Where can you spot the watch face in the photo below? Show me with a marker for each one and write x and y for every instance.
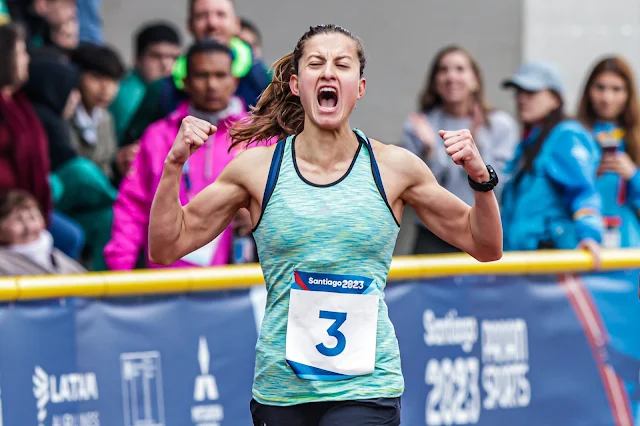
(493, 176)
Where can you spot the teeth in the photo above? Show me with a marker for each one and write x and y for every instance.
(327, 89)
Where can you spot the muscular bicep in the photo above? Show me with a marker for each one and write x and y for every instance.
(443, 213)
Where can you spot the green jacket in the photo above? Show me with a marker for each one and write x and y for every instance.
(124, 107)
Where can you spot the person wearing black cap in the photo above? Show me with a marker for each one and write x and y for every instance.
(157, 46)
(550, 199)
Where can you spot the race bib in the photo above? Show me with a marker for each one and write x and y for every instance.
(204, 255)
(332, 326)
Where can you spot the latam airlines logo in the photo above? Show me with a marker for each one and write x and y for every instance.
(72, 387)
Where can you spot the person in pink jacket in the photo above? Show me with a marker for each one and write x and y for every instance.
(210, 85)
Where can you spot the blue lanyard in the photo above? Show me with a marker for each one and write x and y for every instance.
(187, 180)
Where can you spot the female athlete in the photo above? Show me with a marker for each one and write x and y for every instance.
(325, 203)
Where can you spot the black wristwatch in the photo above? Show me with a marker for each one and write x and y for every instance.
(485, 186)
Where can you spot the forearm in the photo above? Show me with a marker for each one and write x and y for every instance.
(167, 217)
(485, 227)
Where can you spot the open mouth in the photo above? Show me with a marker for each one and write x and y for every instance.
(327, 98)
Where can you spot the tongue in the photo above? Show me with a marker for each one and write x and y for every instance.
(327, 102)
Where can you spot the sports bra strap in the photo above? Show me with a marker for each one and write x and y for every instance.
(374, 164)
(274, 170)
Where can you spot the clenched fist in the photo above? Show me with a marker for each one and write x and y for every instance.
(463, 151)
(193, 133)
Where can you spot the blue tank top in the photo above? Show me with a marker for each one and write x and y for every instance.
(325, 235)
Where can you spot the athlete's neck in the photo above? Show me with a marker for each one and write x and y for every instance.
(325, 148)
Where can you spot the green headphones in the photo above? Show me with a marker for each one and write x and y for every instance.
(242, 62)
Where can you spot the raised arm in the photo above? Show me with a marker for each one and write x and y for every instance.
(175, 231)
(476, 230)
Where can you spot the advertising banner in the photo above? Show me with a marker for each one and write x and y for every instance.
(484, 350)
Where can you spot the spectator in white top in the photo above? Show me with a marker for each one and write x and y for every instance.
(454, 98)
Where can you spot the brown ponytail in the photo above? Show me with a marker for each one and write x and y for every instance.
(279, 113)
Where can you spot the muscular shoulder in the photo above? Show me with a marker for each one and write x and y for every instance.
(395, 158)
(251, 165)
(399, 167)
(254, 157)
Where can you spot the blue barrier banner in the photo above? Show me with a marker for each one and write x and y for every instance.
(485, 350)
(518, 350)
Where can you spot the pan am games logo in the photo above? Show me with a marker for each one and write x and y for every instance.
(73, 387)
(205, 391)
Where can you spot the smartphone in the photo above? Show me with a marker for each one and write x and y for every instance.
(609, 145)
(609, 141)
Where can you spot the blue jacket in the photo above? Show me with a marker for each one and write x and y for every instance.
(620, 199)
(556, 203)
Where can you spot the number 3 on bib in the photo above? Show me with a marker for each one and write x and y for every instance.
(340, 318)
(332, 326)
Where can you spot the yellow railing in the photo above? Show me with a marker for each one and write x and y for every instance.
(141, 282)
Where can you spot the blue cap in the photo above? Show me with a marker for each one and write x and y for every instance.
(537, 76)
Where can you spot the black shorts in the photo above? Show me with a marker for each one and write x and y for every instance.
(366, 412)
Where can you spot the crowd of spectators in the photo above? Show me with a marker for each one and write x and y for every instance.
(83, 139)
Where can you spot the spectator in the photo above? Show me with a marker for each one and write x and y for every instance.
(207, 19)
(217, 19)
(66, 35)
(25, 164)
(454, 98)
(85, 193)
(26, 247)
(609, 108)
(39, 16)
(550, 199)
(53, 91)
(210, 84)
(157, 46)
(24, 157)
(92, 127)
(250, 34)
